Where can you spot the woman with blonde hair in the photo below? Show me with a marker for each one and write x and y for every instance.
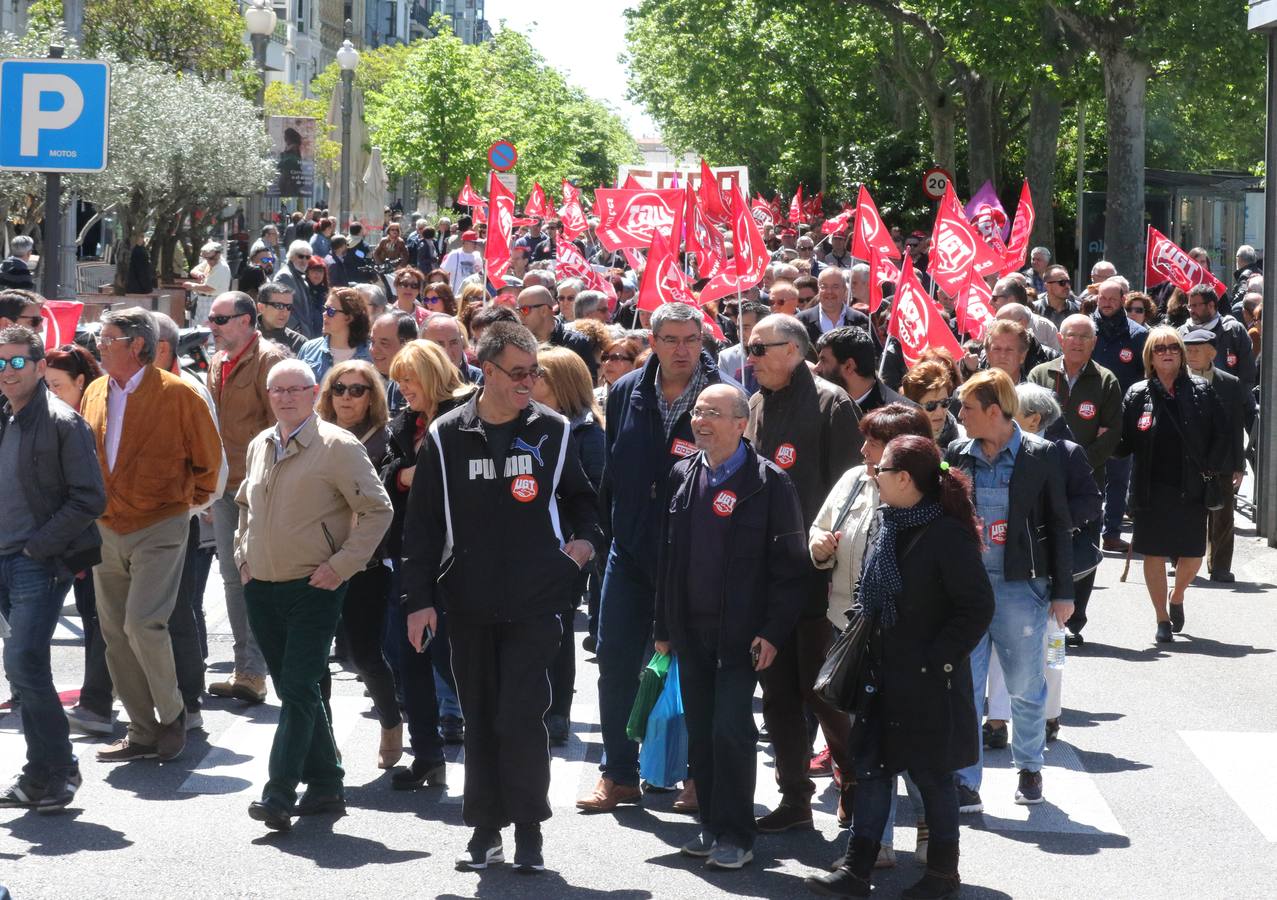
(353, 397)
(431, 386)
(565, 387)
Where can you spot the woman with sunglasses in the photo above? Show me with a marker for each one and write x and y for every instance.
(439, 298)
(1140, 309)
(353, 397)
(431, 386)
(345, 333)
(619, 357)
(930, 385)
(408, 283)
(930, 599)
(1175, 428)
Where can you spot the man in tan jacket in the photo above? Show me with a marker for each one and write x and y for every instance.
(237, 380)
(312, 511)
(161, 456)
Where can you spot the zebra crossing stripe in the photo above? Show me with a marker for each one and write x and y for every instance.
(1242, 764)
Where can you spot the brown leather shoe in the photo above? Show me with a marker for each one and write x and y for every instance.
(391, 748)
(786, 818)
(223, 688)
(1115, 545)
(249, 688)
(608, 795)
(687, 802)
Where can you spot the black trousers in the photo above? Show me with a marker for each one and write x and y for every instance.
(504, 689)
(722, 751)
(563, 670)
(363, 617)
(183, 624)
(1083, 587)
(1219, 537)
(95, 691)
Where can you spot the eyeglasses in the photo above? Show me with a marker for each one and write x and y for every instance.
(617, 357)
(409, 285)
(1057, 281)
(330, 311)
(524, 310)
(707, 414)
(355, 390)
(669, 340)
(107, 341)
(933, 405)
(18, 363)
(759, 349)
(882, 469)
(567, 298)
(273, 304)
(222, 320)
(1138, 310)
(290, 391)
(1166, 348)
(534, 373)
(36, 320)
(432, 298)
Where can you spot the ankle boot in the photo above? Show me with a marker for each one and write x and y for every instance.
(851, 879)
(391, 748)
(941, 880)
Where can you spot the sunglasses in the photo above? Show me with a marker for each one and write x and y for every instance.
(275, 305)
(933, 405)
(355, 390)
(759, 349)
(617, 357)
(17, 363)
(882, 469)
(534, 373)
(524, 310)
(222, 320)
(432, 298)
(330, 311)
(1060, 281)
(413, 285)
(1135, 309)
(36, 321)
(1166, 348)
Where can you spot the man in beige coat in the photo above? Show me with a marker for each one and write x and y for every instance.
(312, 511)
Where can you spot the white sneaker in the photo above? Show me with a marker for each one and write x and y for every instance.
(194, 720)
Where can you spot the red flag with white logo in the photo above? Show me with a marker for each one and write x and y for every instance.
(796, 207)
(629, 218)
(663, 278)
(536, 207)
(496, 249)
(569, 263)
(778, 209)
(571, 215)
(974, 307)
(703, 239)
(712, 201)
(870, 231)
(956, 245)
(917, 322)
(60, 319)
(881, 271)
(814, 207)
(468, 196)
(840, 222)
(1167, 262)
(1021, 228)
(762, 212)
(749, 254)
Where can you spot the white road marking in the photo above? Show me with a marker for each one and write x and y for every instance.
(1241, 763)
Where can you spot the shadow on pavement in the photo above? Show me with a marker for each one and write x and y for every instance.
(1187, 643)
(1100, 763)
(1080, 718)
(504, 882)
(1081, 840)
(312, 838)
(63, 834)
(1125, 654)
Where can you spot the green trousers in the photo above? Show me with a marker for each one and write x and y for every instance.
(294, 625)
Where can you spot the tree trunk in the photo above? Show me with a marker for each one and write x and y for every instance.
(1045, 107)
(943, 117)
(1125, 90)
(982, 158)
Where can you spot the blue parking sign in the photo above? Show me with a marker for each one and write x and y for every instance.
(54, 114)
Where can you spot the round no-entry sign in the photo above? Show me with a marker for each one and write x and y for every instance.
(934, 182)
(502, 156)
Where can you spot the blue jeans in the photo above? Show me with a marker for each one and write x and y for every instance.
(1018, 630)
(31, 599)
(625, 635)
(874, 804)
(1117, 472)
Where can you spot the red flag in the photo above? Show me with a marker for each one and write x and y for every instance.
(569, 263)
(713, 203)
(749, 254)
(663, 280)
(60, 319)
(571, 192)
(796, 207)
(778, 209)
(917, 322)
(974, 307)
(703, 239)
(870, 232)
(956, 245)
(1167, 262)
(815, 206)
(762, 212)
(468, 197)
(628, 218)
(881, 271)
(633, 258)
(838, 223)
(631, 183)
(536, 207)
(1021, 228)
(496, 250)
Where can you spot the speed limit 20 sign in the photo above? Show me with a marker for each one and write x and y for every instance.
(934, 183)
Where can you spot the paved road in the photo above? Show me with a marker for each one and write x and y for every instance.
(1161, 784)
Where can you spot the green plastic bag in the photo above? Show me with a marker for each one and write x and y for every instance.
(651, 682)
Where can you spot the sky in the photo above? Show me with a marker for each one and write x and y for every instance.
(582, 40)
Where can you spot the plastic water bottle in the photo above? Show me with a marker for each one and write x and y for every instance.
(1055, 646)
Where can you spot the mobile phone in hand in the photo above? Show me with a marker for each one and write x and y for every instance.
(426, 639)
(754, 653)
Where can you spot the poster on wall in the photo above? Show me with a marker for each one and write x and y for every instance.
(293, 145)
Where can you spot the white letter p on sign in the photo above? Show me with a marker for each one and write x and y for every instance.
(35, 120)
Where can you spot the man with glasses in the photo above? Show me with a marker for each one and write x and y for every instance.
(1119, 347)
(808, 427)
(806, 248)
(728, 624)
(274, 309)
(537, 310)
(1091, 398)
(500, 522)
(648, 430)
(303, 319)
(1059, 302)
(47, 535)
(1233, 350)
(154, 476)
(832, 310)
(237, 380)
(21, 307)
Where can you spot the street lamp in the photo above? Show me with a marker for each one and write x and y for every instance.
(259, 19)
(348, 59)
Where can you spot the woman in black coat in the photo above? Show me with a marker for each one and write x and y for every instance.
(924, 581)
(1177, 430)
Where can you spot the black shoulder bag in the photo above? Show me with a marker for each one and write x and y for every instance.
(1214, 494)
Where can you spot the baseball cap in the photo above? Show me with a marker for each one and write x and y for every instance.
(470, 236)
